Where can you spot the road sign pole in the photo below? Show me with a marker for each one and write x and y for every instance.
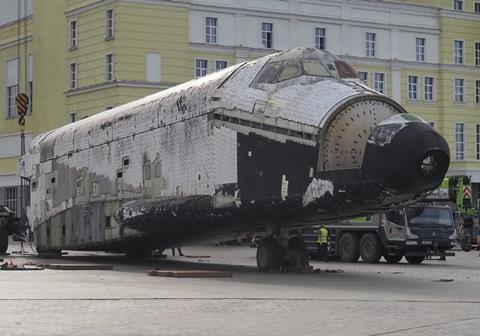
(22, 108)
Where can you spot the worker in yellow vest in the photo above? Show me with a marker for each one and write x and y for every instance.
(322, 242)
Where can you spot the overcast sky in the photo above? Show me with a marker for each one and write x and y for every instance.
(9, 10)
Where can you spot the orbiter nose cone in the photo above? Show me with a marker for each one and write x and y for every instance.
(410, 155)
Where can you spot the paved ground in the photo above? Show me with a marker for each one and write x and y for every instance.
(381, 299)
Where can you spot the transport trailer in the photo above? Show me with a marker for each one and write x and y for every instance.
(415, 232)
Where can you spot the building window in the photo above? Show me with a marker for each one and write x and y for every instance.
(153, 67)
(201, 68)
(11, 198)
(72, 117)
(478, 141)
(370, 45)
(429, 84)
(379, 82)
(458, 5)
(211, 30)
(412, 87)
(320, 38)
(73, 34)
(459, 141)
(459, 89)
(30, 82)
(12, 92)
(267, 35)
(458, 52)
(220, 65)
(11, 86)
(110, 18)
(110, 67)
(363, 75)
(476, 7)
(477, 53)
(73, 75)
(477, 91)
(30, 97)
(420, 49)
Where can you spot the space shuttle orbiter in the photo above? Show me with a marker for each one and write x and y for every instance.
(278, 143)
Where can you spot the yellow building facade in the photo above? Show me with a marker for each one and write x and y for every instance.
(85, 56)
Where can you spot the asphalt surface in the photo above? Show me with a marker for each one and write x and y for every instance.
(434, 298)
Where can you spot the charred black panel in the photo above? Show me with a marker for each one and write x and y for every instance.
(167, 220)
(263, 162)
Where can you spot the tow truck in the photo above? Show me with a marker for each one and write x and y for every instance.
(416, 232)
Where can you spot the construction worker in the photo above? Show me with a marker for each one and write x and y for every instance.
(322, 242)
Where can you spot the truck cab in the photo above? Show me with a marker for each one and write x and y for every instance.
(418, 231)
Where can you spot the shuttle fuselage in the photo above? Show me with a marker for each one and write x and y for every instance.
(283, 141)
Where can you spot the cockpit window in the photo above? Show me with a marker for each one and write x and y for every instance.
(289, 70)
(269, 73)
(345, 70)
(313, 67)
(311, 63)
(275, 72)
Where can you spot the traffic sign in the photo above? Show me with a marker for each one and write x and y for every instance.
(467, 192)
(22, 103)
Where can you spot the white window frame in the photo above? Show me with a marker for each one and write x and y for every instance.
(475, 3)
(462, 50)
(463, 93)
(420, 49)
(220, 60)
(109, 24)
(211, 30)
(384, 82)
(320, 36)
(366, 77)
(12, 87)
(459, 155)
(476, 52)
(461, 2)
(72, 76)
(434, 80)
(73, 34)
(477, 91)
(10, 100)
(195, 68)
(477, 138)
(412, 88)
(267, 35)
(370, 45)
(110, 67)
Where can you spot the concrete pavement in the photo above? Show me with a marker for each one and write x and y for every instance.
(364, 299)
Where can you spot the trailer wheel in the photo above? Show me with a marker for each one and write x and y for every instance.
(415, 260)
(3, 241)
(348, 247)
(370, 248)
(393, 258)
(268, 255)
